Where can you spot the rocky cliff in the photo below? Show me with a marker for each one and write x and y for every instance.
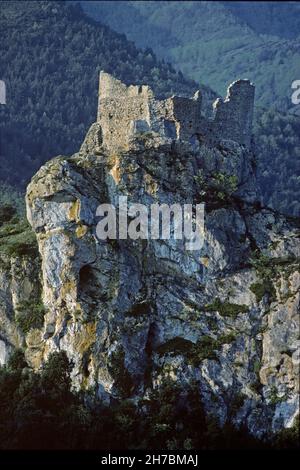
(133, 313)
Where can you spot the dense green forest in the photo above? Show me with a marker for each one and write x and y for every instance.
(216, 42)
(263, 17)
(39, 410)
(277, 141)
(51, 55)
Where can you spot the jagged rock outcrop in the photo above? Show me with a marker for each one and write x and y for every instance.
(131, 313)
(20, 291)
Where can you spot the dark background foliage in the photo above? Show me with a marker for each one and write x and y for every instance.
(51, 55)
(40, 411)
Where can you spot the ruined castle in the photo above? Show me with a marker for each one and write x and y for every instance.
(126, 112)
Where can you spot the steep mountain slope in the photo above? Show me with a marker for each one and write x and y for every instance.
(214, 42)
(51, 55)
(277, 141)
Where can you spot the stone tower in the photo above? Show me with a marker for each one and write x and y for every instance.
(234, 115)
(125, 112)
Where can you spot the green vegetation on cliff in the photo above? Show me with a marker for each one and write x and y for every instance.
(16, 236)
(30, 314)
(38, 410)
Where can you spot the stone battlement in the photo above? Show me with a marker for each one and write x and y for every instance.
(127, 111)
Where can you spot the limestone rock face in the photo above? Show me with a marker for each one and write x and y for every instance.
(19, 282)
(131, 313)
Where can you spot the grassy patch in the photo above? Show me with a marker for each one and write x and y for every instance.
(30, 314)
(216, 189)
(226, 309)
(194, 353)
(268, 270)
(257, 367)
(17, 239)
(258, 290)
(228, 338)
(274, 398)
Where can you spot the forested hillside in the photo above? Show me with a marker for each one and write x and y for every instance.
(215, 42)
(51, 55)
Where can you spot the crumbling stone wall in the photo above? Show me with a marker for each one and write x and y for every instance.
(127, 111)
(119, 107)
(234, 115)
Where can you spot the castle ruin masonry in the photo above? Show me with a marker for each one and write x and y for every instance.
(124, 112)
